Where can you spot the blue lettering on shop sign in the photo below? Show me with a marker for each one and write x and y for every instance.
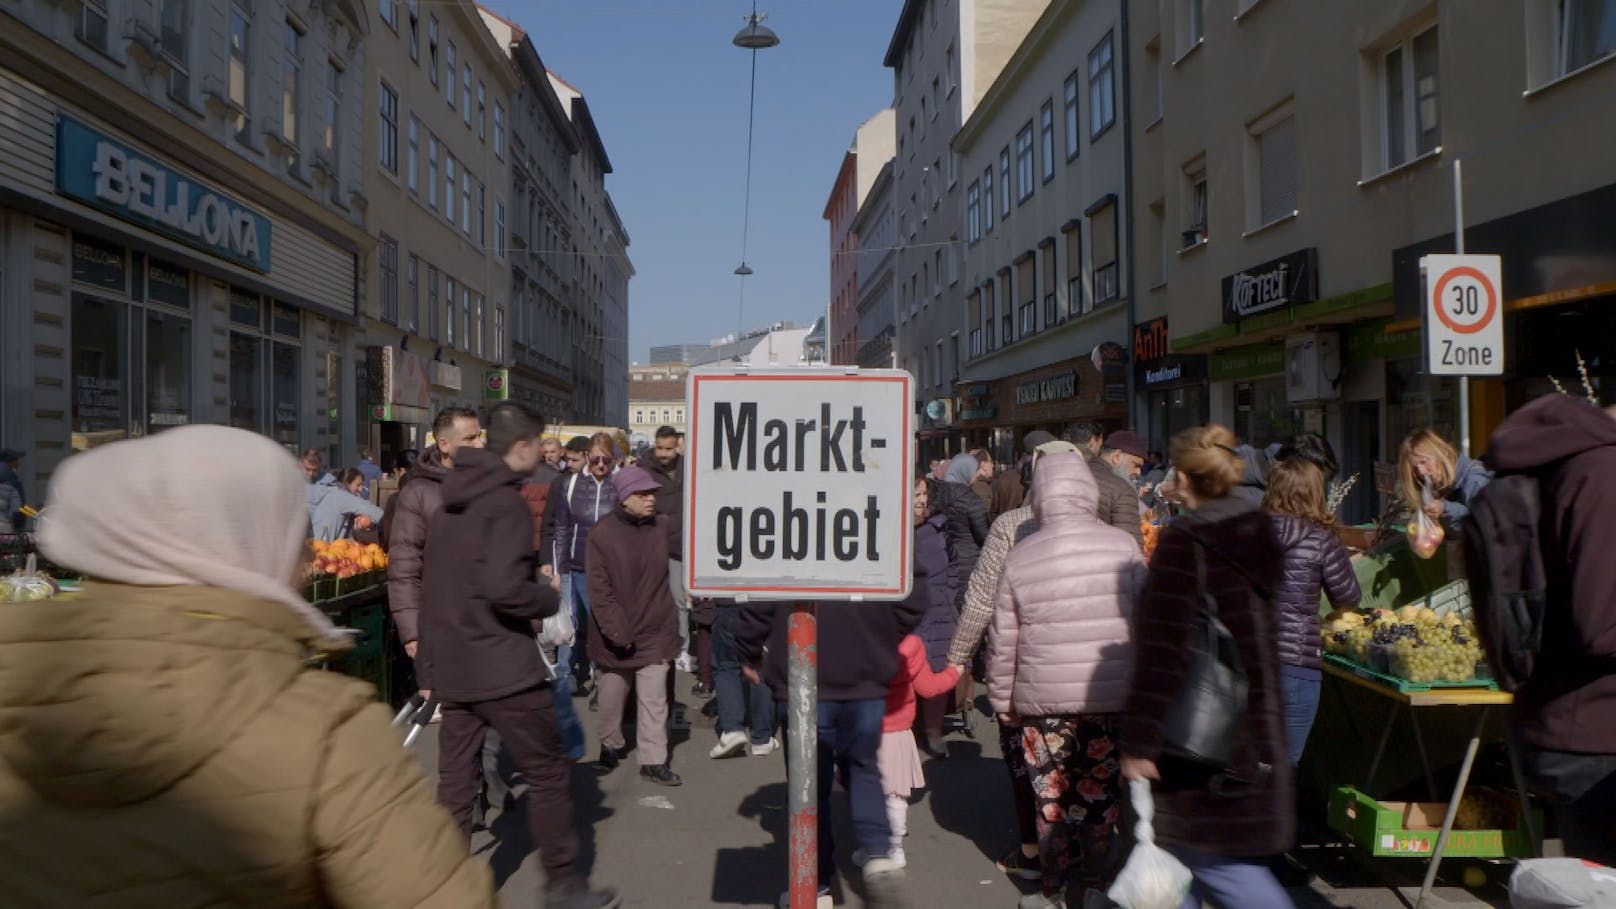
(97, 169)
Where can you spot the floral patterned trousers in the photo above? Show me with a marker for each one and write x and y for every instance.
(1077, 782)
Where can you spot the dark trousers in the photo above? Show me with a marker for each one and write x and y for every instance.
(528, 728)
(738, 699)
(849, 739)
(1583, 792)
(701, 651)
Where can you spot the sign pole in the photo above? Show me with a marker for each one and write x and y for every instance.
(802, 753)
(1459, 248)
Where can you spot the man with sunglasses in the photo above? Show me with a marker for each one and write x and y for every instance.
(585, 497)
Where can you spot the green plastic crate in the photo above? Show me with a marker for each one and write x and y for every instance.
(1410, 829)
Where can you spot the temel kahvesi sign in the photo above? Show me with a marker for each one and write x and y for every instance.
(798, 484)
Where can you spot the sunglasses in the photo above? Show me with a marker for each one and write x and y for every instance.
(598, 459)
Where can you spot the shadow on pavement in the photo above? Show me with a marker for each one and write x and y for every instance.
(754, 875)
(513, 842)
(969, 795)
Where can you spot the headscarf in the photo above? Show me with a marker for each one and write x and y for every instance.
(205, 506)
(962, 469)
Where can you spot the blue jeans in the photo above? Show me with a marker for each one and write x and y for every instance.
(572, 728)
(849, 737)
(572, 658)
(1301, 705)
(1227, 881)
(738, 699)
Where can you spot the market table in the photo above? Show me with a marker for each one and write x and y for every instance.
(1413, 703)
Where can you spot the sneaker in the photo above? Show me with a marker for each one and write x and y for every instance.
(572, 893)
(1037, 900)
(610, 758)
(884, 885)
(729, 745)
(824, 901)
(701, 690)
(895, 856)
(1016, 864)
(766, 749)
(661, 774)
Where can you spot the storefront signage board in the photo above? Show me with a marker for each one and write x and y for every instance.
(496, 384)
(109, 175)
(1463, 315)
(1053, 388)
(1276, 284)
(1250, 362)
(798, 484)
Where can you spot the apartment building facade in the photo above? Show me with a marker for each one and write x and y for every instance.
(876, 228)
(1293, 161)
(871, 149)
(1044, 157)
(182, 211)
(943, 55)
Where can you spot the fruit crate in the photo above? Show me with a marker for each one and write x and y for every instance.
(1401, 684)
(1410, 829)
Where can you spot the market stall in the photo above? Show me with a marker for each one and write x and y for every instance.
(348, 582)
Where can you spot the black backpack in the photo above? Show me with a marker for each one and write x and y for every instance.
(1503, 558)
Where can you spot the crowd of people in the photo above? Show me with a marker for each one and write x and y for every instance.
(161, 738)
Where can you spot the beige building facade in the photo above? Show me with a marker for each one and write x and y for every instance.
(656, 399)
(1293, 161)
(182, 222)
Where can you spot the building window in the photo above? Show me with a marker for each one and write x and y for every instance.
(973, 310)
(449, 291)
(1103, 254)
(413, 163)
(482, 216)
(1024, 163)
(1004, 182)
(1408, 83)
(331, 111)
(987, 201)
(499, 131)
(240, 49)
(482, 109)
(415, 30)
(432, 311)
(92, 25)
(449, 187)
(923, 117)
(449, 73)
(432, 48)
(1150, 91)
(387, 260)
(265, 368)
(465, 96)
(499, 227)
(291, 106)
(1046, 138)
(389, 12)
(948, 61)
(412, 315)
(973, 212)
(937, 272)
(1587, 32)
(1274, 142)
(1192, 24)
(174, 16)
(1195, 202)
(1026, 296)
(936, 96)
(465, 316)
(1071, 117)
(431, 172)
(1102, 88)
(465, 201)
(1076, 300)
(499, 332)
(989, 325)
(387, 129)
(1052, 311)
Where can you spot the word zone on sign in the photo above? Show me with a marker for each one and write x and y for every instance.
(803, 526)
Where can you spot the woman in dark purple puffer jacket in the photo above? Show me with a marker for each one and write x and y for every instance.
(935, 589)
(1312, 559)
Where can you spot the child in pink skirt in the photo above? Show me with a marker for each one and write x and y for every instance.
(899, 757)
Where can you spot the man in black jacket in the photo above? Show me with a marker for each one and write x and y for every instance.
(858, 656)
(482, 601)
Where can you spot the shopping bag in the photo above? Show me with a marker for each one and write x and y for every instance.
(1561, 883)
(1152, 878)
(559, 630)
(1424, 535)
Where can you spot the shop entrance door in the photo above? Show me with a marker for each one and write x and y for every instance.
(1359, 449)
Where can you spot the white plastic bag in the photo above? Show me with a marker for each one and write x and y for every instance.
(559, 629)
(1152, 878)
(1558, 883)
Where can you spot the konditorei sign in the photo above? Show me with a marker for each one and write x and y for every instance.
(108, 174)
(1276, 284)
(798, 484)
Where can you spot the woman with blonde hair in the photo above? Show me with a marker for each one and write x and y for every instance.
(163, 741)
(1222, 822)
(1435, 478)
(1312, 558)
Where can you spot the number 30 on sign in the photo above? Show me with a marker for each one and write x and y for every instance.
(1464, 315)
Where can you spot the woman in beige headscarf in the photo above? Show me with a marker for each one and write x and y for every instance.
(162, 743)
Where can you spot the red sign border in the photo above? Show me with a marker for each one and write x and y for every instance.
(1464, 271)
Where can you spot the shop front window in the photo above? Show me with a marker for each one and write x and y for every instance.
(1173, 410)
(100, 404)
(246, 382)
(1263, 415)
(284, 390)
(1415, 400)
(168, 371)
(265, 368)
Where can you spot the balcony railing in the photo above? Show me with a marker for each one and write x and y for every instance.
(1107, 287)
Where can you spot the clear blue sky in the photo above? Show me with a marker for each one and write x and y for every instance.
(669, 92)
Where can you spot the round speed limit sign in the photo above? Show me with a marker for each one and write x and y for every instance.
(1464, 324)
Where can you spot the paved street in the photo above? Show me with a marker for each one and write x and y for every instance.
(719, 840)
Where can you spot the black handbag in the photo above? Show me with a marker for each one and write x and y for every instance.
(1204, 724)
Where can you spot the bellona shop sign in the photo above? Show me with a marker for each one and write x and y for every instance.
(101, 171)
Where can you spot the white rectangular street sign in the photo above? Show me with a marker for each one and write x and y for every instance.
(1464, 315)
(798, 484)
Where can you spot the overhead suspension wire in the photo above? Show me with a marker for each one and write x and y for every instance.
(753, 37)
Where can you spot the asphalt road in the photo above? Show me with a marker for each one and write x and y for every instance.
(719, 840)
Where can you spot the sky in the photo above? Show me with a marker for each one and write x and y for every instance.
(669, 95)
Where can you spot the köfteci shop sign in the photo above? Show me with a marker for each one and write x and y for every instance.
(1276, 284)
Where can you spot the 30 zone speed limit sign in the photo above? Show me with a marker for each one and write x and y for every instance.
(1464, 315)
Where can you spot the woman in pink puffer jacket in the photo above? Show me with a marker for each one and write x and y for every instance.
(1059, 658)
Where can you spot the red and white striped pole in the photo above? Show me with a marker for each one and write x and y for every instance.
(802, 758)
